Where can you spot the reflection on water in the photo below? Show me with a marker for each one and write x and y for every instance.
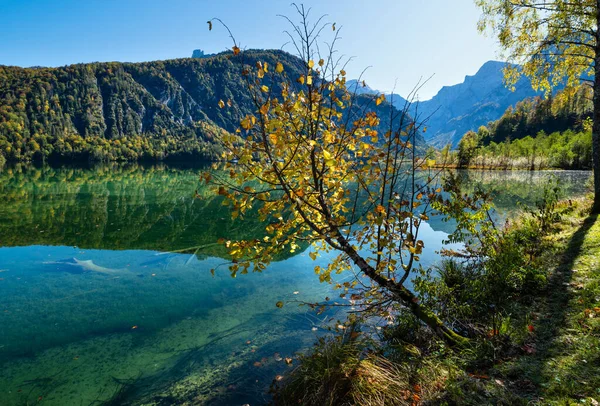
(106, 295)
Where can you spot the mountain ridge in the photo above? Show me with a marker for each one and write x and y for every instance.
(112, 111)
(456, 109)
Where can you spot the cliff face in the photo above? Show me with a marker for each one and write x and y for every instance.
(481, 98)
(454, 110)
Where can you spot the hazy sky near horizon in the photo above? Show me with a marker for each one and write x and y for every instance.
(401, 40)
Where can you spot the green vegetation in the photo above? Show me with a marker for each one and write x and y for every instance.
(122, 111)
(566, 150)
(532, 307)
(536, 134)
(154, 111)
(552, 42)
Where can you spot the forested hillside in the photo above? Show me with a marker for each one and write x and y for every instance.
(123, 111)
(129, 111)
(537, 133)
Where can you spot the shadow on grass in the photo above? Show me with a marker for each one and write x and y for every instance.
(537, 374)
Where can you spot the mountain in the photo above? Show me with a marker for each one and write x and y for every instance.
(130, 111)
(481, 98)
(125, 111)
(199, 53)
(454, 110)
(359, 87)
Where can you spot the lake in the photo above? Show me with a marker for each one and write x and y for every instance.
(106, 295)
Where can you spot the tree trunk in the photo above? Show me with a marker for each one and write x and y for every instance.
(596, 118)
(406, 297)
(431, 319)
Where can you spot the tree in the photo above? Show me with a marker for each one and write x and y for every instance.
(553, 41)
(323, 169)
(467, 148)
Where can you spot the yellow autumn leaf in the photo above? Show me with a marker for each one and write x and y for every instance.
(221, 103)
(247, 122)
(309, 80)
(343, 72)
(313, 255)
(380, 99)
(321, 62)
(279, 67)
(236, 50)
(301, 80)
(273, 138)
(311, 63)
(264, 88)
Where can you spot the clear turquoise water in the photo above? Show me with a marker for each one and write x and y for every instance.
(147, 323)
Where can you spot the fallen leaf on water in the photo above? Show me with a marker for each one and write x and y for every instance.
(296, 292)
(257, 364)
(288, 361)
(279, 377)
(134, 327)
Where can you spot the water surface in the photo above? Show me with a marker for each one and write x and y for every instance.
(106, 295)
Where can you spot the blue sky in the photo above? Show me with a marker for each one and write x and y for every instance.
(402, 40)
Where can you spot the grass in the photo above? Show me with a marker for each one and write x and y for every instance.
(562, 362)
(549, 355)
(557, 362)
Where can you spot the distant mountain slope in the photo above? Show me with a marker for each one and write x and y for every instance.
(456, 109)
(481, 98)
(129, 111)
